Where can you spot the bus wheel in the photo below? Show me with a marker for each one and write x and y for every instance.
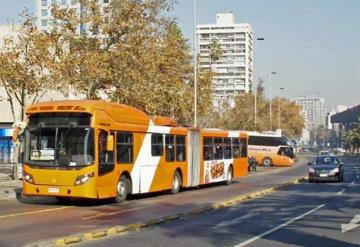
(229, 176)
(122, 189)
(267, 162)
(176, 184)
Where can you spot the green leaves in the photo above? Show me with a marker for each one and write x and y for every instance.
(352, 137)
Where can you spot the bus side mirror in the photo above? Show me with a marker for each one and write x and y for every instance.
(110, 143)
(15, 134)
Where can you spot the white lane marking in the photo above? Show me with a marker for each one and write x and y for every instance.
(232, 222)
(34, 212)
(341, 191)
(352, 225)
(249, 241)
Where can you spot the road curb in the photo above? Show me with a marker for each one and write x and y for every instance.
(124, 229)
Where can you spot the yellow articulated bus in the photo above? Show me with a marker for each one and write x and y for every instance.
(271, 149)
(97, 149)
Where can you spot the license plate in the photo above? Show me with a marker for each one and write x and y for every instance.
(323, 175)
(53, 190)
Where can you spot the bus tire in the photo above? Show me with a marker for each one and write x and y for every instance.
(229, 176)
(122, 189)
(176, 183)
(267, 161)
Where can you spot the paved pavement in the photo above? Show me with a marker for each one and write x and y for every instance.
(28, 220)
(316, 214)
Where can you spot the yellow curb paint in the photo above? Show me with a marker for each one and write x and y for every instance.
(34, 212)
(60, 243)
(111, 231)
(135, 226)
(120, 229)
(68, 241)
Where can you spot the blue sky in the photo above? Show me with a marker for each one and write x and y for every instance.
(314, 45)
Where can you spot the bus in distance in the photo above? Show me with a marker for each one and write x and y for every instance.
(97, 149)
(271, 149)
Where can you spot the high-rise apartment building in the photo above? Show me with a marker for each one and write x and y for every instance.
(234, 70)
(45, 18)
(314, 107)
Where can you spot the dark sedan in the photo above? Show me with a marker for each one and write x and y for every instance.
(326, 168)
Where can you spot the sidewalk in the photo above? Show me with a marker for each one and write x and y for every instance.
(8, 187)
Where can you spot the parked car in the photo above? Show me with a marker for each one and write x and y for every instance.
(326, 168)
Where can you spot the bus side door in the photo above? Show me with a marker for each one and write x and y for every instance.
(106, 179)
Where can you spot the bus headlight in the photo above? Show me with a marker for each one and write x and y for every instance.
(84, 178)
(333, 171)
(28, 178)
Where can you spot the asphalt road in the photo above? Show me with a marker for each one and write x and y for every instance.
(299, 215)
(29, 220)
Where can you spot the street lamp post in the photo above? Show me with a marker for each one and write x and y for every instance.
(255, 86)
(270, 106)
(279, 103)
(195, 67)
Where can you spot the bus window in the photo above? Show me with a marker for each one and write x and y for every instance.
(180, 148)
(235, 143)
(218, 145)
(106, 158)
(170, 148)
(124, 146)
(243, 148)
(227, 148)
(208, 148)
(157, 145)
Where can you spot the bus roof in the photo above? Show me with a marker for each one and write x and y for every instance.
(254, 133)
(118, 112)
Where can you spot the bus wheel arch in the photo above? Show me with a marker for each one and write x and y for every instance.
(229, 175)
(177, 181)
(267, 161)
(123, 187)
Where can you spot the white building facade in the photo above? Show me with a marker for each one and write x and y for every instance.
(234, 70)
(45, 18)
(337, 109)
(313, 109)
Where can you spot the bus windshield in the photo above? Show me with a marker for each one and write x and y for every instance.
(60, 146)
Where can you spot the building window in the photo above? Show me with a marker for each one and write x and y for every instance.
(44, 3)
(74, 2)
(124, 147)
(157, 145)
(170, 148)
(180, 148)
(106, 1)
(53, 2)
(44, 23)
(63, 2)
(44, 12)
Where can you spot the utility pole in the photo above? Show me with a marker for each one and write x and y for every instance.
(270, 88)
(195, 67)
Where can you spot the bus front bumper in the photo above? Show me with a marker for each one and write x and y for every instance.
(87, 190)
